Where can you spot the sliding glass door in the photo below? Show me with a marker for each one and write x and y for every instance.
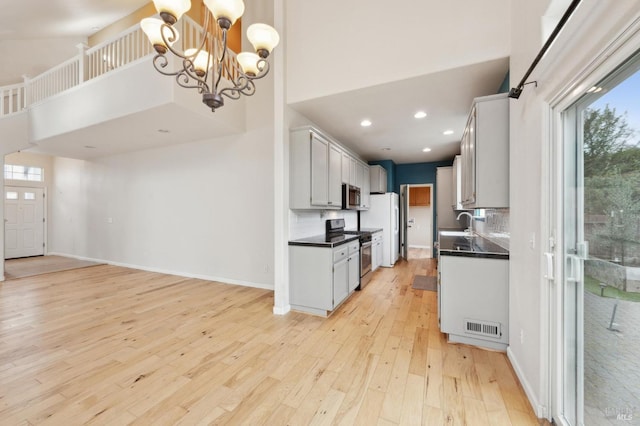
(600, 287)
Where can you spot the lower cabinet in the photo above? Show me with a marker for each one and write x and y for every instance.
(322, 277)
(474, 300)
(376, 251)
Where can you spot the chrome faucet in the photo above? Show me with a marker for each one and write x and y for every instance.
(470, 228)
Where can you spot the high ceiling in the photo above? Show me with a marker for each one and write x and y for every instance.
(38, 35)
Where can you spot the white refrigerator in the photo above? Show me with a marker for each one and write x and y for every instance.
(385, 213)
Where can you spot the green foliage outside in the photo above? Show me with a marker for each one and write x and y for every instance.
(612, 186)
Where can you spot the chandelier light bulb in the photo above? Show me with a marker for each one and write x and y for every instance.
(226, 10)
(249, 63)
(263, 37)
(153, 28)
(172, 10)
(201, 62)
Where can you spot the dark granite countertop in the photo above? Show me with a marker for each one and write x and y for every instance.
(471, 246)
(372, 230)
(323, 241)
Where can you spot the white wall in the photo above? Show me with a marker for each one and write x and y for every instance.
(202, 209)
(594, 25)
(335, 46)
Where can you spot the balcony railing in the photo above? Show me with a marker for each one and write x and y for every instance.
(128, 47)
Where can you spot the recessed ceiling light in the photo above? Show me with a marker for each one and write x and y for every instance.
(426, 149)
(420, 114)
(365, 123)
(447, 132)
(90, 147)
(163, 131)
(386, 149)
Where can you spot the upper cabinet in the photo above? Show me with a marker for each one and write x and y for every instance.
(420, 196)
(318, 166)
(315, 171)
(457, 183)
(485, 154)
(365, 191)
(378, 179)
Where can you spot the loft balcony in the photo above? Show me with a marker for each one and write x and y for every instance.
(108, 100)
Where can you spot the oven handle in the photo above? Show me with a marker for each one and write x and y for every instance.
(367, 244)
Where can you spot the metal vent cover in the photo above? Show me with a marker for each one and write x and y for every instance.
(483, 328)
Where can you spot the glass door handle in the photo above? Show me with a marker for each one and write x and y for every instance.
(574, 268)
(549, 267)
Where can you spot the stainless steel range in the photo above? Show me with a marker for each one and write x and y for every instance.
(365, 256)
(334, 228)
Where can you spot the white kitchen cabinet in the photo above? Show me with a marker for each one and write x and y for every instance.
(353, 171)
(354, 265)
(322, 277)
(376, 251)
(445, 215)
(377, 179)
(335, 175)
(485, 154)
(360, 175)
(365, 194)
(346, 168)
(315, 171)
(473, 296)
(456, 186)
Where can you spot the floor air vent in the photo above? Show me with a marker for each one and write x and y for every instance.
(483, 328)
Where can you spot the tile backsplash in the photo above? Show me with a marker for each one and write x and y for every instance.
(495, 226)
(304, 223)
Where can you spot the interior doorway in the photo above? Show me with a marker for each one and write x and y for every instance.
(419, 219)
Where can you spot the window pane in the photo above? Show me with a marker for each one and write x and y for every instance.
(29, 196)
(17, 172)
(11, 195)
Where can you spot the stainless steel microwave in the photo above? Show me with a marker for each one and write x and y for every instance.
(350, 197)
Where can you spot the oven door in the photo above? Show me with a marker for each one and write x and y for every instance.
(365, 258)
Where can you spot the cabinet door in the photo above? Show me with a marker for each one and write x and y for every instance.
(346, 165)
(335, 176)
(365, 194)
(353, 171)
(340, 281)
(360, 175)
(319, 171)
(354, 271)
(456, 195)
(379, 253)
(469, 162)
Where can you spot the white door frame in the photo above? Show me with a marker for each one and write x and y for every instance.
(599, 66)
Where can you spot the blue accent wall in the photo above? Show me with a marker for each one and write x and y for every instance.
(413, 173)
(504, 87)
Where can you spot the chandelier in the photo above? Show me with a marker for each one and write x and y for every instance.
(208, 65)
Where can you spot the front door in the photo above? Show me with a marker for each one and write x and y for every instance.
(23, 222)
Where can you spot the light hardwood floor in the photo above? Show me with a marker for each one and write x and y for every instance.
(109, 345)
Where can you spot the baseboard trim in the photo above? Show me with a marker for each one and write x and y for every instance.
(277, 310)
(222, 280)
(539, 410)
